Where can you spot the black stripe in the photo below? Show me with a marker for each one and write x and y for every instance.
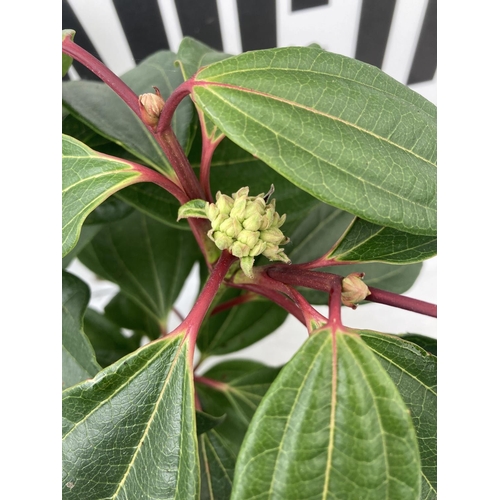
(200, 19)
(71, 22)
(425, 60)
(257, 24)
(143, 26)
(307, 4)
(374, 27)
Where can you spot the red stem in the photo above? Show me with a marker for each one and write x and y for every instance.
(313, 318)
(335, 303)
(241, 299)
(207, 151)
(215, 384)
(106, 75)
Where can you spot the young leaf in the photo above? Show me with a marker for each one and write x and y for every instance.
(216, 466)
(365, 242)
(130, 432)
(96, 105)
(239, 386)
(332, 425)
(414, 371)
(240, 326)
(147, 259)
(193, 208)
(78, 357)
(338, 128)
(88, 179)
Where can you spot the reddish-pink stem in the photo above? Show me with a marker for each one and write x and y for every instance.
(106, 75)
(208, 148)
(335, 303)
(191, 325)
(149, 175)
(241, 299)
(313, 318)
(215, 384)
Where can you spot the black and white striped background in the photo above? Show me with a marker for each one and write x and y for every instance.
(398, 36)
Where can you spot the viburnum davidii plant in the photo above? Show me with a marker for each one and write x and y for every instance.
(291, 178)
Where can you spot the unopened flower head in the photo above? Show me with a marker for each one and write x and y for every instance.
(247, 226)
(151, 106)
(354, 290)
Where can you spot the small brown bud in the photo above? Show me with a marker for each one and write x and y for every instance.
(151, 106)
(354, 290)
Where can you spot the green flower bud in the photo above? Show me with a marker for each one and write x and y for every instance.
(239, 249)
(259, 247)
(274, 252)
(255, 206)
(253, 222)
(241, 193)
(211, 210)
(354, 290)
(250, 238)
(231, 227)
(272, 235)
(221, 240)
(238, 210)
(221, 218)
(224, 203)
(246, 264)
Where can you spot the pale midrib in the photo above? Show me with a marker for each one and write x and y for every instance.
(311, 110)
(215, 454)
(288, 420)
(207, 467)
(145, 432)
(350, 174)
(329, 75)
(77, 424)
(375, 406)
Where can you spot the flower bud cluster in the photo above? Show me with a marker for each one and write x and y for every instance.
(151, 106)
(354, 290)
(247, 226)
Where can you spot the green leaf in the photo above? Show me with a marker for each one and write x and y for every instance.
(193, 208)
(110, 210)
(240, 326)
(148, 260)
(332, 425)
(107, 339)
(155, 202)
(127, 313)
(206, 422)
(427, 343)
(78, 357)
(338, 128)
(130, 432)
(365, 242)
(414, 371)
(319, 231)
(239, 386)
(216, 465)
(96, 105)
(193, 55)
(86, 235)
(67, 61)
(88, 179)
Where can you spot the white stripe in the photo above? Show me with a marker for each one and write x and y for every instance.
(171, 22)
(229, 26)
(101, 23)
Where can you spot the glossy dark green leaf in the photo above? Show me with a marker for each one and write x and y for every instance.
(78, 357)
(239, 387)
(67, 61)
(206, 422)
(427, 343)
(147, 259)
(127, 313)
(365, 242)
(130, 432)
(217, 462)
(110, 210)
(86, 235)
(88, 179)
(338, 128)
(320, 230)
(332, 425)
(107, 338)
(96, 105)
(155, 202)
(240, 326)
(414, 371)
